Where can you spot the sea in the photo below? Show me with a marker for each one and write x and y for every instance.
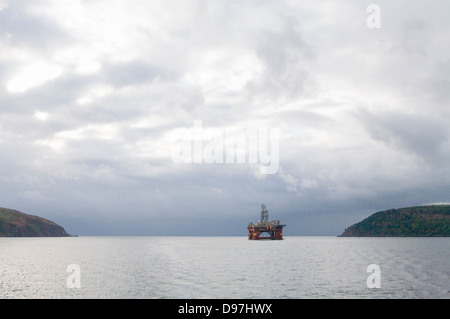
(317, 267)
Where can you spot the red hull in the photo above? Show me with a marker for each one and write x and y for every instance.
(258, 233)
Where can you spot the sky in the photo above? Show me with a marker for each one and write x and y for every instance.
(113, 113)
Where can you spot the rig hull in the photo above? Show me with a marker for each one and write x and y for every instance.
(265, 229)
(264, 233)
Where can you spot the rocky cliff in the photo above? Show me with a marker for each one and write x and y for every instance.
(419, 221)
(17, 224)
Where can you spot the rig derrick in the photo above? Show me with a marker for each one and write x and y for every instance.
(265, 228)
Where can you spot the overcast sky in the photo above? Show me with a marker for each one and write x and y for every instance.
(96, 95)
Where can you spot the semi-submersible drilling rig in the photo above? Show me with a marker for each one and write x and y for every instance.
(265, 228)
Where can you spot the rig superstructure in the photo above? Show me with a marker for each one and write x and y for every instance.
(265, 228)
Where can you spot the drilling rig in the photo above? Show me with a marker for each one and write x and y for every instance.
(265, 228)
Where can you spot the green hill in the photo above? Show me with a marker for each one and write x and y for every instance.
(17, 224)
(419, 221)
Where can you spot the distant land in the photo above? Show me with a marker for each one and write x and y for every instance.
(17, 224)
(418, 221)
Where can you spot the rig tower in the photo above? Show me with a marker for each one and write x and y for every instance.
(265, 228)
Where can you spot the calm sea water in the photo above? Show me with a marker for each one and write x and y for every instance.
(223, 267)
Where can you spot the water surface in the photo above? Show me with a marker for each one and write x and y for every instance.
(224, 267)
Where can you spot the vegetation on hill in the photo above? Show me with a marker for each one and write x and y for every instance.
(419, 221)
(17, 224)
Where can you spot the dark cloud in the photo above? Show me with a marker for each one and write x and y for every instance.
(423, 134)
(134, 73)
(285, 57)
(29, 31)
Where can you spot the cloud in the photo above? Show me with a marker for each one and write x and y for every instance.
(285, 59)
(3, 5)
(32, 75)
(422, 134)
(94, 94)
